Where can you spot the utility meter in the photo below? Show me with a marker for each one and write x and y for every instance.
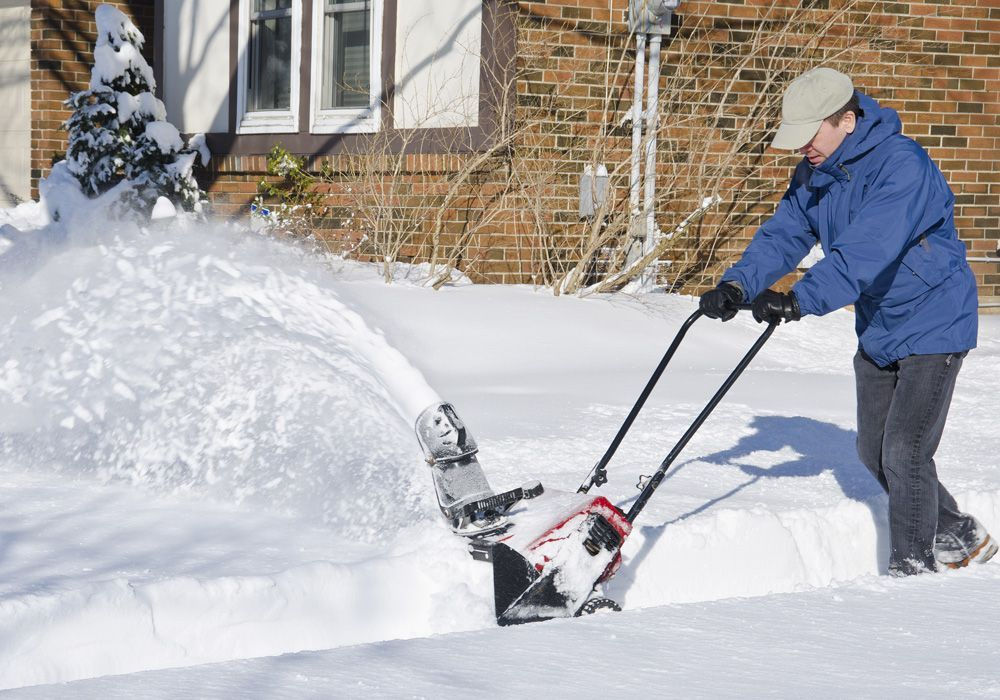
(651, 16)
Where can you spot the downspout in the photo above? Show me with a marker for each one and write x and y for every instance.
(649, 20)
(650, 230)
(637, 95)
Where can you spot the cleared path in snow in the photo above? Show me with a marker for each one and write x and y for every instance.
(926, 637)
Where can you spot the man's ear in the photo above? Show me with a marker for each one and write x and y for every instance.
(849, 121)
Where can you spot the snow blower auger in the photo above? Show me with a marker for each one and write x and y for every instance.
(558, 571)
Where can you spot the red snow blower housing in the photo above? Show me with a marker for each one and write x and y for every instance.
(555, 575)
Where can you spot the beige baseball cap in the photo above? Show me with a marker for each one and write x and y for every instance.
(808, 100)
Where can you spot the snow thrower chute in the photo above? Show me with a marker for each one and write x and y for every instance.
(555, 573)
(463, 492)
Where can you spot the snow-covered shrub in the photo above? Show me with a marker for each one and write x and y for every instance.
(289, 195)
(119, 138)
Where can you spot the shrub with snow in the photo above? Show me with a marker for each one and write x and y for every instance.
(119, 139)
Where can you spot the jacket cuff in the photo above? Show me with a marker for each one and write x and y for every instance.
(735, 285)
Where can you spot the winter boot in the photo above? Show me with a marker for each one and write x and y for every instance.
(964, 545)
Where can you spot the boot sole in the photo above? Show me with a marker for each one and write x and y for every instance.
(982, 554)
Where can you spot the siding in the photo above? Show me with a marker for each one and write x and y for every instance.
(15, 127)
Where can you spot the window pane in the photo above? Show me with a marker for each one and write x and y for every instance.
(270, 61)
(346, 54)
(268, 5)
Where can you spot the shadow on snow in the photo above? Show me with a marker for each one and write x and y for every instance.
(821, 447)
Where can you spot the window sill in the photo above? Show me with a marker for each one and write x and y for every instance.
(361, 122)
(261, 123)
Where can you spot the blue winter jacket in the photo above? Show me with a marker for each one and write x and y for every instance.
(882, 212)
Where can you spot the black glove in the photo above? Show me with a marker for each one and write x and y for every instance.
(721, 302)
(772, 306)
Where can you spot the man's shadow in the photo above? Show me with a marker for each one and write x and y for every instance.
(821, 447)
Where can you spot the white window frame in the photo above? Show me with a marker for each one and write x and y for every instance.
(364, 120)
(270, 121)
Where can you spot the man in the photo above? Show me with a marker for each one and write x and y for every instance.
(882, 212)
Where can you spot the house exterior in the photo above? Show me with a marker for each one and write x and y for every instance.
(15, 78)
(475, 132)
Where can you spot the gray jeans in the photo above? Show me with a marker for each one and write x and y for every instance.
(902, 410)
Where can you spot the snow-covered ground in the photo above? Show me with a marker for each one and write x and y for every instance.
(207, 456)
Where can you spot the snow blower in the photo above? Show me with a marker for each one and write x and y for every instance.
(556, 572)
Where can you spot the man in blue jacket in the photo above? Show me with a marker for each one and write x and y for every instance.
(882, 212)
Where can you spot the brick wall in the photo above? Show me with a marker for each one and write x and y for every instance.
(936, 61)
(723, 73)
(62, 52)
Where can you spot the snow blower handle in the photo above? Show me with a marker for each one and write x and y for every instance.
(599, 474)
(655, 480)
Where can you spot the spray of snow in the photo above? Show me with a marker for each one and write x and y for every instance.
(204, 360)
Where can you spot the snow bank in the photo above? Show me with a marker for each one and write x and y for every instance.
(26, 215)
(752, 552)
(858, 641)
(200, 359)
(115, 627)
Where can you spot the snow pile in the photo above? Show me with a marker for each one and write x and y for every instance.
(116, 626)
(25, 216)
(203, 360)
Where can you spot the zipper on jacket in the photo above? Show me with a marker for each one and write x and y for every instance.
(846, 171)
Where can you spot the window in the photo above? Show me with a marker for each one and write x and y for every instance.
(346, 54)
(347, 34)
(268, 93)
(270, 52)
(314, 71)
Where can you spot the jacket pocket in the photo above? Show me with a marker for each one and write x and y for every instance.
(932, 264)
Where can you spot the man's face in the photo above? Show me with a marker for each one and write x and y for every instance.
(828, 139)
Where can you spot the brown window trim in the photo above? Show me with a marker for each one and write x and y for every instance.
(497, 50)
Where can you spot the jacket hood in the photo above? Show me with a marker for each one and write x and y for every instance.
(875, 124)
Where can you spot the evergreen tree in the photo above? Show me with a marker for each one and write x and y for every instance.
(118, 133)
